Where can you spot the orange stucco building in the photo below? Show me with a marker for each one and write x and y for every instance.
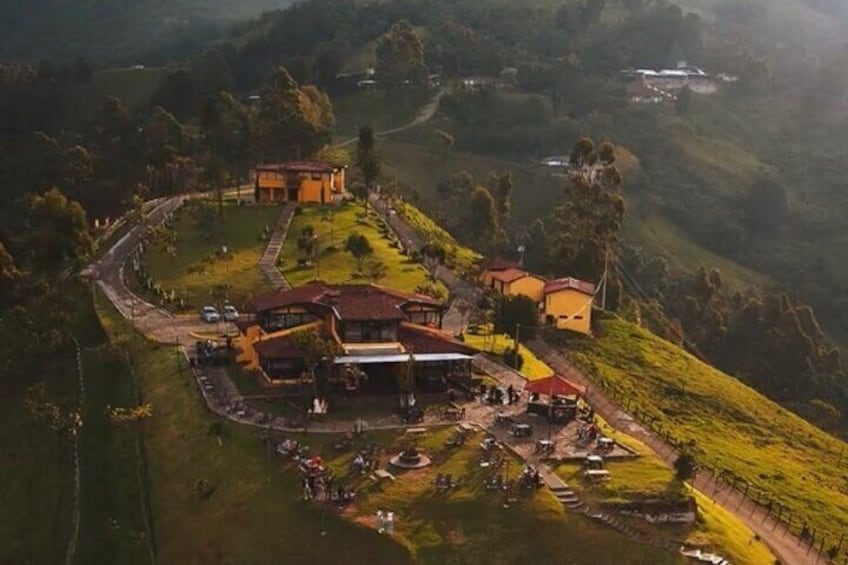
(298, 181)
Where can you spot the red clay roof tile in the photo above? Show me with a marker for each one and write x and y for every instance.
(570, 283)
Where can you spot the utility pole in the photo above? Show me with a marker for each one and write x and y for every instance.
(604, 281)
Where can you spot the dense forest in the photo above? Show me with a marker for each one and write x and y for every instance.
(125, 32)
(750, 174)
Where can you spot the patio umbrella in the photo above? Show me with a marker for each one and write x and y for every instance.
(555, 385)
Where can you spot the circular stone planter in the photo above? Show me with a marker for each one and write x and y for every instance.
(410, 459)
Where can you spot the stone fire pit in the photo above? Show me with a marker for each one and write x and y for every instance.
(410, 458)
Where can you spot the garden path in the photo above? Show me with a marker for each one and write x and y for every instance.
(268, 262)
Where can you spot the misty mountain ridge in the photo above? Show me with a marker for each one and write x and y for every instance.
(118, 31)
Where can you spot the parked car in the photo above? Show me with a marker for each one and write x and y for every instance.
(210, 314)
(230, 313)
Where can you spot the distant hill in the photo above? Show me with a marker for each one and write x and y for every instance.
(118, 31)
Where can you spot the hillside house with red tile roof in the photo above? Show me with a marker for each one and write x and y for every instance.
(564, 303)
(568, 304)
(377, 329)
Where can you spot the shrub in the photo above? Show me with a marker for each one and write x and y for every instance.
(430, 289)
(514, 359)
(685, 466)
(203, 489)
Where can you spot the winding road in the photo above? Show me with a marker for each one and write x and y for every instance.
(426, 113)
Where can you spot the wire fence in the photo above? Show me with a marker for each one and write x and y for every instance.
(713, 479)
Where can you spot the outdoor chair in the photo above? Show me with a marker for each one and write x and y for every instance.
(495, 483)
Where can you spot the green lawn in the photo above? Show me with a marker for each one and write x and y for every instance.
(36, 488)
(36, 466)
(338, 266)
(733, 426)
(471, 525)
(255, 515)
(113, 503)
(196, 268)
(533, 367)
(648, 478)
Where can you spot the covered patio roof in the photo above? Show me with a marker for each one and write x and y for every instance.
(555, 384)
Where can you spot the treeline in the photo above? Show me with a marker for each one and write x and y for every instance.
(126, 32)
(761, 336)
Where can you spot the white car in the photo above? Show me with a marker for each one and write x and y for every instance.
(230, 313)
(209, 314)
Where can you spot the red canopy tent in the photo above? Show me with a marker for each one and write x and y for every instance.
(555, 385)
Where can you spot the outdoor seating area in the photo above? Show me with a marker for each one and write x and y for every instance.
(495, 483)
(458, 438)
(530, 478)
(545, 447)
(596, 474)
(453, 413)
(317, 479)
(521, 430)
(498, 396)
(444, 481)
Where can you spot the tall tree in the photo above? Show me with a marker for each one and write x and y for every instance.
(433, 255)
(400, 56)
(513, 311)
(482, 216)
(590, 219)
(367, 160)
(319, 354)
(358, 246)
(10, 277)
(291, 122)
(502, 184)
(57, 232)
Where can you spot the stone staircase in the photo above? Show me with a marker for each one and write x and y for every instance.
(268, 262)
(567, 497)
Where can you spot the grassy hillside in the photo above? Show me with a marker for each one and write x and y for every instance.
(419, 168)
(35, 488)
(196, 266)
(36, 463)
(255, 513)
(732, 426)
(334, 264)
(653, 232)
(648, 478)
(379, 109)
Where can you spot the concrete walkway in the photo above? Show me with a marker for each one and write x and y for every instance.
(463, 294)
(268, 262)
(784, 544)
